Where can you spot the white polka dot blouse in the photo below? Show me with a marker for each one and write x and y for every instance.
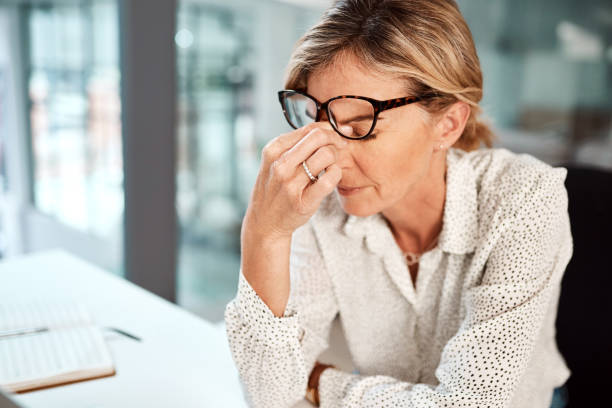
(476, 330)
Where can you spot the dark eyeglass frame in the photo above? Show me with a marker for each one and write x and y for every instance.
(379, 106)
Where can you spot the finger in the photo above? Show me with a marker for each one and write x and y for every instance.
(315, 192)
(277, 146)
(315, 139)
(288, 140)
(319, 161)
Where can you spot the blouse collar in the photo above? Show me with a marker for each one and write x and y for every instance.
(459, 223)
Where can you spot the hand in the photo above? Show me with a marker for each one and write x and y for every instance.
(284, 198)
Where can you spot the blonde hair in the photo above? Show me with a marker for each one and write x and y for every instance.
(426, 42)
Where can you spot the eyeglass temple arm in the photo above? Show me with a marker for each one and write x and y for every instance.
(396, 103)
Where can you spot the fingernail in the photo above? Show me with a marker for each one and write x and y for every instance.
(346, 130)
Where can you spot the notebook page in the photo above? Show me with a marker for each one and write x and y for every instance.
(37, 313)
(53, 357)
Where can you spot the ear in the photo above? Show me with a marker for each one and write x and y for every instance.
(451, 124)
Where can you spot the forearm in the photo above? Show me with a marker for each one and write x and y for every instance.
(267, 352)
(265, 265)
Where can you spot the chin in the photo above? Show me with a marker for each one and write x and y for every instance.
(356, 206)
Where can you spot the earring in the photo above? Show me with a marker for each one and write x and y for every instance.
(441, 147)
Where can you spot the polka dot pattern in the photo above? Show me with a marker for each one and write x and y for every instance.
(476, 329)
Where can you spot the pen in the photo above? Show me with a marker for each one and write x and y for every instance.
(124, 333)
(19, 332)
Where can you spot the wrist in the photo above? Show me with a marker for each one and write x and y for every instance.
(260, 231)
(265, 265)
(256, 237)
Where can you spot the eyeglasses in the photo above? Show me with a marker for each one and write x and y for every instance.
(358, 112)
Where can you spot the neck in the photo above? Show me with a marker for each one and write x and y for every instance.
(416, 220)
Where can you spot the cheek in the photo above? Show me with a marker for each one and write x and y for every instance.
(399, 164)
(369, 159)
(401, 160)
(389, 171)
(398, 156)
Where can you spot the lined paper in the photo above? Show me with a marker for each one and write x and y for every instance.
(72, 350)
(36, 313)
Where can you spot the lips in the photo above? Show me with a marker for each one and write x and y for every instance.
(348, 190)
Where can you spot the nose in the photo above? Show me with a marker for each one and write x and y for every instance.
(323, 116)
(344, 156)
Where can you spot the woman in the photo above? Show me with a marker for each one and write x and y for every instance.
(442, 260)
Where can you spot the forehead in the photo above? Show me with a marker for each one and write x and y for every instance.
(346, 75)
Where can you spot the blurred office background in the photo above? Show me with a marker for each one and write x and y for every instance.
(70, 120)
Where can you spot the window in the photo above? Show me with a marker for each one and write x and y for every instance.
(74, 111)
(3, 132)
(230, 62)
(547, 84)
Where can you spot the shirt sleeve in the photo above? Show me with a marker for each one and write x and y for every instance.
(481, 365)
(275, 355)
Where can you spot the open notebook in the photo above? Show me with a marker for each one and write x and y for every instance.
(73, 349)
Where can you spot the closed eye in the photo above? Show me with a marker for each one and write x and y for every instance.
(359, 118)
(371, 136)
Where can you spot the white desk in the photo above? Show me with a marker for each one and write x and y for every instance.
(183, 361)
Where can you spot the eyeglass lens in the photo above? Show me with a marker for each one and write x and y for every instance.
(300, 109)
(356, 113)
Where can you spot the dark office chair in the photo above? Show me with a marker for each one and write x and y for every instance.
(584, 319)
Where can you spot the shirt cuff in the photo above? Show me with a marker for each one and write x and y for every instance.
(255, 313)
(333, 386)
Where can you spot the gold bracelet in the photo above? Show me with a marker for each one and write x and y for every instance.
(312, 390)
(310, 396)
